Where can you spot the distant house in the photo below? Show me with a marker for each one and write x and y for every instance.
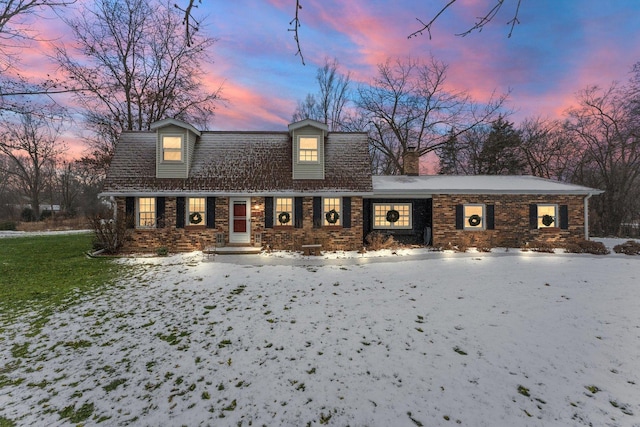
(185, 189)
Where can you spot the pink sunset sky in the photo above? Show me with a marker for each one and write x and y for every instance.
(559, 48)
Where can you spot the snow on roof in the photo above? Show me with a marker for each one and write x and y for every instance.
(404, 185)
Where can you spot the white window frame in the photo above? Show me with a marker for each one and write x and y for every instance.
(190, 209)
(555, 223)
(169, 150)
(329, 203)
(473, 211)
(380, 213)
(280, 205)
(308, 155)
(149, 205)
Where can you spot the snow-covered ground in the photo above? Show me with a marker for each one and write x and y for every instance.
(413, 338)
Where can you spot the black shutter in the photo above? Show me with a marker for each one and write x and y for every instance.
(160, 210)
(346, 212)
(298, 212)
(533, 216)
(490, 220)
(459, 217)
(317, 212)
(180, 212)
(211, 212)
(130, 212)
(268, 212)
(564, 217)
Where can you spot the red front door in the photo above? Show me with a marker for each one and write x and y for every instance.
(240, 220)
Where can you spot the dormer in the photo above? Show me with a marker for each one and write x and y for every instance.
(308, 138)
(175, 142)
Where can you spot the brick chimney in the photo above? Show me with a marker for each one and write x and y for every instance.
(411, 161)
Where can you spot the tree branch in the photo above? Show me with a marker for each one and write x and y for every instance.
(478, 26)
(191, 24)
(295, 22)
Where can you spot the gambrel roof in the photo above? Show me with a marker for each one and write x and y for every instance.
(240, 163)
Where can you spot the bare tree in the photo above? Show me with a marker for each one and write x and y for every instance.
(407, 105)
(8, 189)
(328, 105)
(32, 147)
(133, 65)
(549, 150)
(16, 33)
(609, 134)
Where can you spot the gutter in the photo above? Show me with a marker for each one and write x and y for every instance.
(586, 215)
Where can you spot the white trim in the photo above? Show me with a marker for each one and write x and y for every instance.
(138, 211)
(276, 212)
(392, 206)
(556, 217)
(188, 211)
(483, 217)
(586, 216)
(173, 150)
(299, 149)
(238, 237)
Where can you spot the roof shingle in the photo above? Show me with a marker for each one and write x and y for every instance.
(240, 162)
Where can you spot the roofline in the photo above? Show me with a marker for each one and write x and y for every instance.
(175, 122)
(324, 193)
(421, 193)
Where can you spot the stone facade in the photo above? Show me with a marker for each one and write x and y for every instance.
(197, 237)
(511, 216)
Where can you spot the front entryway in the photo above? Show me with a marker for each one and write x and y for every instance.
(240, 220)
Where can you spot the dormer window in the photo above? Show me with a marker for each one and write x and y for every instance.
(172, 148)
(308, 149)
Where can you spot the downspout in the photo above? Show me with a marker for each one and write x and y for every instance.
(586, 216)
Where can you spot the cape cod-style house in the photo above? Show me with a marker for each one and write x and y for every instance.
(184, 189)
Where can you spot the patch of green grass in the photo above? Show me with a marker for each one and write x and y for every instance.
(78, 344)
(592, 388)
(6, 422)
(224, 343)
(39, 271)
(460, 351)
(78, 416)
(231, 406)
(20, 350)
(114, 384)
(523, 390)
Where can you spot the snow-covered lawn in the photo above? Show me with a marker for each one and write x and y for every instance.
(475, 339)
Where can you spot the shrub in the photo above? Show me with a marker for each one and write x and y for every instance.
(110, 234)
(630, 247)
(27, 215)
(7, 226)
(581, 246)
(46, 214)
(162, 251)
(377, 240)
(542, 247)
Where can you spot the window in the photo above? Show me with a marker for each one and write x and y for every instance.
(547, 216)
(474, 217)
(196, 211)
(171, 148)
(331, 211)
(308, 149)
(392, 215)
(284, 211)
(146, 212)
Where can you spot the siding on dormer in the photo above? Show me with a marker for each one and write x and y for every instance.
(175, 169)
(307, 170)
